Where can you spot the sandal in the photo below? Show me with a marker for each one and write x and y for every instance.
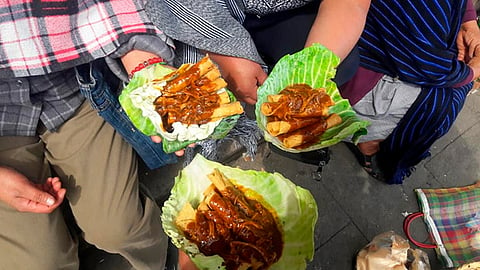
(369, 163)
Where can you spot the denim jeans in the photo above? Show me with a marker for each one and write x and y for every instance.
(94, 86)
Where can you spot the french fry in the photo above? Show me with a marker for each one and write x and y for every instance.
(276, 128)
(189, 75)
(185, 216)
(309, 133)
(228, 109)
(193, 95)
(223, 97)
(210, 86)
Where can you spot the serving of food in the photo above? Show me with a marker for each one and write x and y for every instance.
(298, 115)
(227, 223)
(182, 106)
(299, 107)
(229, 218)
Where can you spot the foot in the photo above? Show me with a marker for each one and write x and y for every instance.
(367, 159)
(369, 148)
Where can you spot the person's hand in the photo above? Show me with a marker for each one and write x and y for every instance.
(468, 41)
(474, 64)
(242, 76)
(158, 139)
(21, 194)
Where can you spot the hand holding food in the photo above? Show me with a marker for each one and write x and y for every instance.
(183, 106)
(299, 106)
(243, 76)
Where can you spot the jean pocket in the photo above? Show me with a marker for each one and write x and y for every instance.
(93, 86)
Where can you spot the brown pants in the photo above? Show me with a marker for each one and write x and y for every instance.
(99, 170)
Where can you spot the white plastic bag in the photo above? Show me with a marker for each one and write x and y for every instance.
(389, 251)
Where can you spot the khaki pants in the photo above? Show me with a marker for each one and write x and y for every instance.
(99, 170)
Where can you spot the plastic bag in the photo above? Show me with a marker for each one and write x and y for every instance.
(390, 251)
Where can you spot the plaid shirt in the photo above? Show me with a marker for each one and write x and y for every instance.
(41, 39)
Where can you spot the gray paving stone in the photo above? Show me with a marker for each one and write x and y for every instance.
(340, 252)
(459, 162)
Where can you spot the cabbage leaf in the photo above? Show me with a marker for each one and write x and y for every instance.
(147, 120)
(315, 66)
(295, 208)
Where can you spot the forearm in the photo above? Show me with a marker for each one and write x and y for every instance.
(338, 25)
(133, 58)
(137, 50)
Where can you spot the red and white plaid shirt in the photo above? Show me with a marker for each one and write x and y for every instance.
(42, 36)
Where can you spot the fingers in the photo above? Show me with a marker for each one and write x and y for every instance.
(250, 100)
(41, 198)
(261, 78)
(180, 152)
(156, 139)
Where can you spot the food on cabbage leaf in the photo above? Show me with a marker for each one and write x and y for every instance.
(298, 115)
(314, 66)
(182, 106)
(294, 207)
(241, 229)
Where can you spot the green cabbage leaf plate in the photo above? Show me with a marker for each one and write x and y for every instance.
(148, 121)
(314, 65)
(295, 207)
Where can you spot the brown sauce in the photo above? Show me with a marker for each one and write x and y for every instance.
(238, 229)
(301, 100)
(188, 99)
(297, 103)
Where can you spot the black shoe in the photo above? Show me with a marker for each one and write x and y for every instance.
(368, 163)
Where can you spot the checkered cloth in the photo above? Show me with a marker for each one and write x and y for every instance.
(452, 216)
(41, 36)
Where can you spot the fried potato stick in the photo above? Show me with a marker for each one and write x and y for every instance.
(228, 109)
(210, 86)
(281, 110)
(309, 133)
(186, 77)
(276, 128)
(223, 97)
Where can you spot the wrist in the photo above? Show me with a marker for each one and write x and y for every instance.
(136, 60)
(146, 63)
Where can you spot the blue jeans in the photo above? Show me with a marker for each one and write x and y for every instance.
(97, 90)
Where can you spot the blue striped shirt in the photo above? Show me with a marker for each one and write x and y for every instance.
(415, 41)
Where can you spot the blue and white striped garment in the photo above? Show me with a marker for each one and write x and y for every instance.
(415, 40)
(190, 54)
(213, 25)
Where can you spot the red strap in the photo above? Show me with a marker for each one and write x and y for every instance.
(147, 63)
(406, 228)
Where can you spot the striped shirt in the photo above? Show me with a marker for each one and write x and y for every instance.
(415, 41)
(41, 42)
(213, 25)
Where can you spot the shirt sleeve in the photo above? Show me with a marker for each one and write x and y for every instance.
(470, 12)
(162, 47)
